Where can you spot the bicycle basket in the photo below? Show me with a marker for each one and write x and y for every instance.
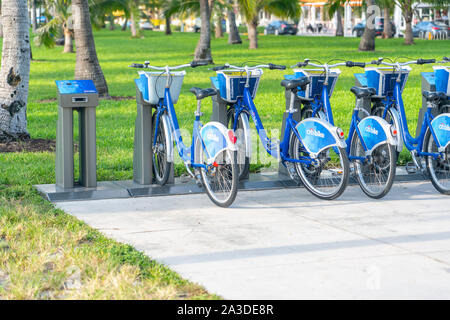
(441, 75)
(231, 83)
(383, 79)
(317, 78)
(156, 83)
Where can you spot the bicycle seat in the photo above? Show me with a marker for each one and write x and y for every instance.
(363, 92)
(434, 96)
(295, 83)
(203, 93)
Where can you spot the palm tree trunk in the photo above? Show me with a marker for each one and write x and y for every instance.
(68, 40)
(408, 14)
(111, 22)
(252, 27)
(33, 15)
(219, 31)
(368, 39)
(1, 23)
(387, 32)
(15, 70)
(124, 26)
(133, 26)
(168, 28)
(87, 65)
(203, 49)
(339, 26)
(233, 37)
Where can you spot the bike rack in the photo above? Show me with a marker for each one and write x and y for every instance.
(365, 103)
(143, 137)
(297, 116)
(428, 84)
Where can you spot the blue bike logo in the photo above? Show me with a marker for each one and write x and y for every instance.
(371, 130)
(444, 126)
(316, 133)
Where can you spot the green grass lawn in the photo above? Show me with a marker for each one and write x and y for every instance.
(33, 232)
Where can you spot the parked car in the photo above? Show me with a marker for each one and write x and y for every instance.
(41, 19)
(146, 25)
(280, 27)
(436, 28)
(358, 30)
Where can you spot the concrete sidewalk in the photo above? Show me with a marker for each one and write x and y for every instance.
(286, 244)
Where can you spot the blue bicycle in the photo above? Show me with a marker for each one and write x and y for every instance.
(430, 150)
(312, 150)
(212, 153)
(371, 140)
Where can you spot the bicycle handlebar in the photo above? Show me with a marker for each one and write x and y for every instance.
(270, 66)
(349, 64)
(425, 61)
(276, 67)
(352, 64)
(401, 64)
(147, 65)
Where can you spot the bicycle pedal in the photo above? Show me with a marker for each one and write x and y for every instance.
(292, 173)
(411, 168)
(198, 181)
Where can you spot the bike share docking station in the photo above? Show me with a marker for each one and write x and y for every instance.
(80, 96)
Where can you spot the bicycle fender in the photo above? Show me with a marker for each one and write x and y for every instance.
(375, 131)
(400, 137)
(441, 128)
(215, 138)
(168, 133)
(317, 135)
(248, 136)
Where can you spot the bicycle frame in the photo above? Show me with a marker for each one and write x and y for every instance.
(246, 103)
(411, 143)
(323, 103)
(186, 154)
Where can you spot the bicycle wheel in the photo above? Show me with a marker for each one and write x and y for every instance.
(161, 167)
(307, 112)
(328, 176)
(438, 169)
(376, 174)
(221, 179)
(243, 162)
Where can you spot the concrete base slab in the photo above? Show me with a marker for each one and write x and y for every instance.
(287, 244)
(104, 190)
(182, 186)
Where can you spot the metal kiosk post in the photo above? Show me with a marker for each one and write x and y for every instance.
(80, 96)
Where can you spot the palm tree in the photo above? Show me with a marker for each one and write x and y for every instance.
(233, 37)
(335, 8)
(367, 42)
(203, 49)
(1, 24)
(368, 38)
(61, 19)
(15, 70)
(251, 8)
(388, 7)
(87, 65)
(188, 7)
(408, 11)
(33, 15)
